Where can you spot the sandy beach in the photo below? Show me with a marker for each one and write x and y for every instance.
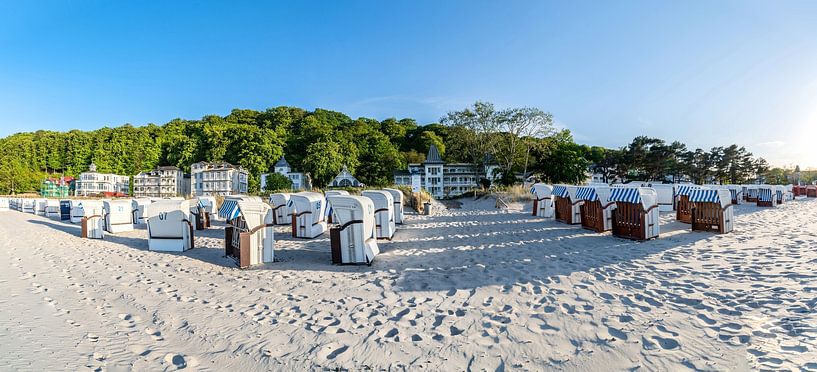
(474, 288)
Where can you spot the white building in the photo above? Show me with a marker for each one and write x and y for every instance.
(345, 179)
(162, 182)
(442, 180)
(217, 178)
(282, 167)
(91, 183)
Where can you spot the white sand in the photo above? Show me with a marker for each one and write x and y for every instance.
(472, 288)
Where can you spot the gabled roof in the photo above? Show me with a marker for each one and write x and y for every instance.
(282, 162)
(434, 155)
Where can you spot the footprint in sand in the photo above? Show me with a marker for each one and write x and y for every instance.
(179, 361)
(154, 334)
(332, 350)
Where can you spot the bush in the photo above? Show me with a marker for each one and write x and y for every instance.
(277, 182)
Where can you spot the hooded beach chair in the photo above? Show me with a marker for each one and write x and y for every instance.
(354, 239)
(398, 198)
(40, 207)
(169, 227)
(683, 209)
(542, 200)
(636, 215)
(307, 210)
(780, 194)
(65, 210)
(29, 206)
(91, 217)
(199, 213)
(138, 210)
(666, 196)
(750, 193)
(118, 216)
(596, 208)
(712, 210)
(383, 212)
(329, 217)
(52, 208)
(567, 208)
(250, 237)
(280, 210)
(811, 191)
(766, 196)
(736, 192)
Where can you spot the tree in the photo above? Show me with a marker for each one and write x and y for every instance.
(517, 127)
(478, 127)
(277, 182)
(323, 161)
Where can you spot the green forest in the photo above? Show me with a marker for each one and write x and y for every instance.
(519, 140)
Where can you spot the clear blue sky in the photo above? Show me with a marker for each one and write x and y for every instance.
(703, 72)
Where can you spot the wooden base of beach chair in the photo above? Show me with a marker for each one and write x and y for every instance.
(683, 209)
(563, 210)
(709, 217)
(765, 203)
(630, 221)
(593, 216)
(750, 199)
(535, 207)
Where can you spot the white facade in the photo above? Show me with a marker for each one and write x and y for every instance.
(163, 182)
(442, 180)
(282, 167)
(93, 183)
(345, 179)
(218, 178)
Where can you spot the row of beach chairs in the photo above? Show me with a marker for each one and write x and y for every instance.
(632, 210)
(354, 222)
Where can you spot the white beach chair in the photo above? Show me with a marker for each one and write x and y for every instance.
(354, 239)
(250, 238)
(40, 207)
(5, 204)
(308, 209)
(327, 194)
(666, 194)
(90, 213)
(398, 198)
(138, 210)
(169, 227)
(383, 212)
(542, 200)
(52, 208)
(280, 210)
(118, 216)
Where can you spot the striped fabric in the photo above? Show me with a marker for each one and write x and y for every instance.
(685, 189)
(201, 204)
(560, 191)
(587, 193)
(531, 190)
(764, 195)
(229, 210)
(704, 196)
(779, 194)
(734, 194)
(627, 195)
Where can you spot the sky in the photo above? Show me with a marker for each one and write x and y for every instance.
(706, 73)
